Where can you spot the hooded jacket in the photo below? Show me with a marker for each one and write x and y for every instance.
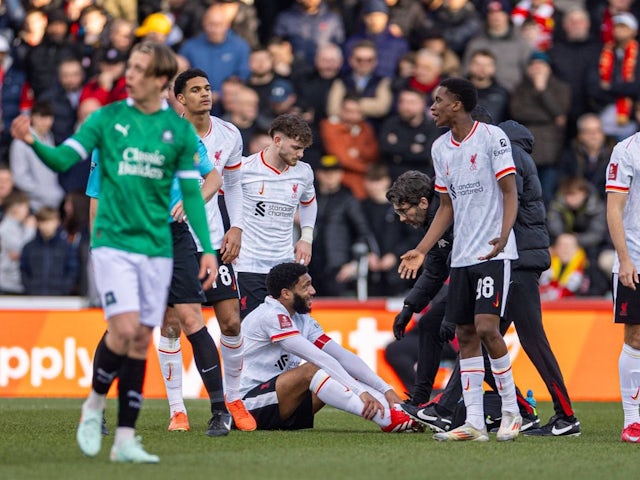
(530, 228)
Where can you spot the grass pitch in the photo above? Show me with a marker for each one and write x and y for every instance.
(37, 441)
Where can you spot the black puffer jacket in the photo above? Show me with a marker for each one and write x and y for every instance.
(530, 227)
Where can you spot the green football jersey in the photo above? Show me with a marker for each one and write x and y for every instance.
(139, 155)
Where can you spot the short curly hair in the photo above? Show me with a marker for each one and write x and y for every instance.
(410, 187)
(284, 275)
(292, 126)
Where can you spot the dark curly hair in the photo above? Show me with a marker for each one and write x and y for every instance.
(284, 275)
(181, 80)
(292, 126)
(464, 90)
(410, 187)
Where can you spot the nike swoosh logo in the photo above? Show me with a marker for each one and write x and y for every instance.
(227, 424)
(206, 370)
(635, 397)
(468, 386)
(168, 377)
(497, 302)
(559, 431)
(430, 418)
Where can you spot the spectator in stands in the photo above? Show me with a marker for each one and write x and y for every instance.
(262, 77)
(187, 17)
(406, 137)
(121, 35)
(93, 36)
(588, 153)
(407, 19)
(504, 41)
(44, 59)
(574, 56)
(428, 73)
(48, 264)
(308, 24)
(258, 141)
(567, 276)
(314, 85)
(541, 12)
(614, 86)
(579, 210)
(391, 237)
(218, 51)
(6, 187)
(353, 141)
(285, 62)
(244, 114)
(459, 22)
(339, 224)
(11, 82)
(16, 229)
(109, 84)
(64, 96)
(602, 13)
(436, 42)
(373, 91)
(491, 95)
(122, 9)
(155, 28)
(389, 48)
(243, 18)
(30, 175)
(224, 102)
(541, 103)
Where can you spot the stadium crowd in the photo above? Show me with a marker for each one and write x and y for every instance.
(361, 73)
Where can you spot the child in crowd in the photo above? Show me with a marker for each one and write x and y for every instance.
(16, 229)
(49, 264)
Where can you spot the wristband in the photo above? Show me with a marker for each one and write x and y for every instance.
(306, 234)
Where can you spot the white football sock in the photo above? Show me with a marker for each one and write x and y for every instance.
(95, 401)
(123, 434)
(232, 351)
(503, 375)
(472, 376)
(338, 396)
(629, 370)
(170, 356)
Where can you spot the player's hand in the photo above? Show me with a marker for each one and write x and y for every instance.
(208, 270)
(392, 397)
(628, 274)
(302, 250)
(401, 321)
(20, 129)
(177, 212)
(410, 264)
(371, 406)
(498, 247)
(231, 243)
(447, 330)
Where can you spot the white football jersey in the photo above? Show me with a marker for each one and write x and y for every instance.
(224, 149)
(469, 172)
(622, 173)
(270, 200)
(262, 331)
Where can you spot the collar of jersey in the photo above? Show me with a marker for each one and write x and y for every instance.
(469, 135)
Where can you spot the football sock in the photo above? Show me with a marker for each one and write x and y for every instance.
(205, 354)
(170, 356)
(106, 366)
(472, 375)
(337, 395)
(629, 370)
(123, 434)
(501, 368)
(130, 391)
(232, 351)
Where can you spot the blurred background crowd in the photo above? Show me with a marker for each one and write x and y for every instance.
(361, 72)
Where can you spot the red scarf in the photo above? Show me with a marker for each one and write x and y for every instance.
(607, 62)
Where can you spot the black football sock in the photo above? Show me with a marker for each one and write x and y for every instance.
(130, 391)
(205, 354)
(106, 366)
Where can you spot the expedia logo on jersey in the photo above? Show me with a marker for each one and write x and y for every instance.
(137, 163)
(264, 209)
(504, 148)
(466, 189)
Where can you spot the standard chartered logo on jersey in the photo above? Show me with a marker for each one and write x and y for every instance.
(138, 163)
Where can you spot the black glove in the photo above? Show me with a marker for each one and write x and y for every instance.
(447, 330)
(401, 321)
